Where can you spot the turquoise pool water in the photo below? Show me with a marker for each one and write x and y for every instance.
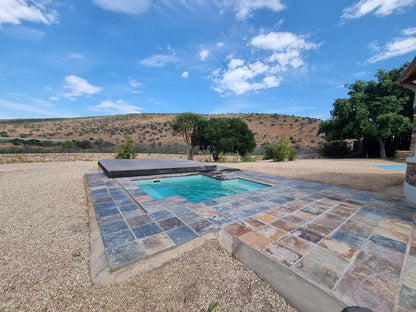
(196, 188)
(392, 167)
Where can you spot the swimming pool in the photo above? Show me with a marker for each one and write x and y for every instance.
(196, 188)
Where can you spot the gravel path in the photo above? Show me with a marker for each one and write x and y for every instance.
(44, 256)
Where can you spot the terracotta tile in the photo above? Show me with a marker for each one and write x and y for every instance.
(236, 229)
(297, 244)
(285, 225)
(341, 249)
(264, 217)
(255, 240)
(271, 232)
(281, 254)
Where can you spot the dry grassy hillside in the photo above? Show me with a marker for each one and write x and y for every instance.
(156, 128)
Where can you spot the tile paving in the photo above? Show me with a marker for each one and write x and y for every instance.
(357, 246)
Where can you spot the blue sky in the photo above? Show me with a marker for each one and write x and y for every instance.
(101, 57)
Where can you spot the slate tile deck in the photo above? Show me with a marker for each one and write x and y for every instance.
(357, 246)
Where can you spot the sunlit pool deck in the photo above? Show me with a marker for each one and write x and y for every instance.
(322, 247)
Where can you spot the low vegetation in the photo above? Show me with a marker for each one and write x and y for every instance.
(280, 151)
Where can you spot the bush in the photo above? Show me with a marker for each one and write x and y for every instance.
(222, 158)
(248, 158)
(127, 150)
(280, 151)
(335, 149)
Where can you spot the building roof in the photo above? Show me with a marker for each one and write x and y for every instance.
(408, 78)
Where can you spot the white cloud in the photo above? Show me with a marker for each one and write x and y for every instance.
(185, 74)
(267, 71)
(135, 84)
(377, 7)
(398, 46)
(31, 109)
(54, 98)
(282, 41)
(220, 44)
(245, 7)
(16, 11)
(78, 86)
(241, 78)
(158, 60)
(124, 6)
(76, 56)
(117, 107)
(203, 54)
(409, 31)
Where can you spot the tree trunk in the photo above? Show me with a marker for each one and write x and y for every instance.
(382, 148)
(189, 151)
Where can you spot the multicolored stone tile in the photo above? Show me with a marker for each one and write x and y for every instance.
(118, 238)
(237, 229)
(271, 232)
(264, 217)
(279, 212)
(135, 219)
(388, 269)
(395, 229)
(388, 242)
(338, 247)
(304, 215)
(330, 221)
(281, 254)
(252, 223)
(124, 254)
(308, 235)
(206, 212)
(408, 298)
(181, 234)
(155, 243)
(170, 224)
(111, 227)
(410, 272)
(347, 239)
(318, 228)
(297, 244)
(356, 229)
(145, 230)
(202, 227)
(295, 220)
(355, 295)
(285, 225)
(255, 240)
(322, 267)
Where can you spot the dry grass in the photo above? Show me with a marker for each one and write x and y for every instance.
(352, 173)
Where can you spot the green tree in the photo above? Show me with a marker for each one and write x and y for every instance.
(127, 150)
(224, 135)
(375, 109)
(280, 151)
(185, 124)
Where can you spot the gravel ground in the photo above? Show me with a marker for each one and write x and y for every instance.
(44, 256)
(352, 173)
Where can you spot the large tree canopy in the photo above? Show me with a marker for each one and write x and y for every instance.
(224, 135)
(376, 109)
(185, 124)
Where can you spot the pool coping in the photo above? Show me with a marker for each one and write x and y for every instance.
(257, 260)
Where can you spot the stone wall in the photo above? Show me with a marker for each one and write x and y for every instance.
(401, 156)
(61, 157)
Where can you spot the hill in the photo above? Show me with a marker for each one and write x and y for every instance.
(156, 128)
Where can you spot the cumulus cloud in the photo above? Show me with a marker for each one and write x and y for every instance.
(241, 78)
(267, 71)
(78, 86)
(16, 11)
(185, 74)
(203, 54)
(244, 8)
(124, 6)
(117, 107)
(158, 60)
(135, 84)
(398, 46)
(376, 7)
